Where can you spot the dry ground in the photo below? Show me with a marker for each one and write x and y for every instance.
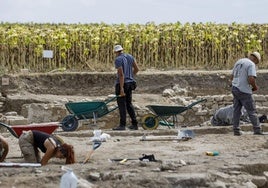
(241, 160)
(179, 163)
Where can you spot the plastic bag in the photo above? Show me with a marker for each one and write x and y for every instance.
(69, 179)
(99, 136)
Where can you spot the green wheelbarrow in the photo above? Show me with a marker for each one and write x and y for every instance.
(161, 115)
(85, 110)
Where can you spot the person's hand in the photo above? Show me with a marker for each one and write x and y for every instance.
(122, 93)
(255, 88)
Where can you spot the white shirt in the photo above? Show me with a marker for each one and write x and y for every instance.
(243, 68)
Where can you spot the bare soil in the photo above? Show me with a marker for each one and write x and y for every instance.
(179, 163)
(241, 160)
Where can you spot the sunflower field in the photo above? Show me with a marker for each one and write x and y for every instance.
(89, 47)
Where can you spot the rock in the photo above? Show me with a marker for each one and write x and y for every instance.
(265, 145)
(188, 180)
(94, 176)
(82, 183)
(168, 93)
(169, 165)
(266, 172)
(201, 113)
(218, 184)
(16, 120)
(41, 112)
(180, 91)
(182, 162)
(260, 98)
(259, 181)
(11, 113)
(108, 176)
(248, 185)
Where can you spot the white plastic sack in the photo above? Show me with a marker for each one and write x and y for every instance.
(69, 179)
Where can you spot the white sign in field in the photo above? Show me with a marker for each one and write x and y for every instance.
(47, 54)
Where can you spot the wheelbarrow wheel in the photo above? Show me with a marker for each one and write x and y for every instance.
(149, 122)
(69, 123)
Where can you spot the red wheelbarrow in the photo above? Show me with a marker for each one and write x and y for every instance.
(16, 130)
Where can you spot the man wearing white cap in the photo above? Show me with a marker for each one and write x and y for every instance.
(126, 69)
(243, 84)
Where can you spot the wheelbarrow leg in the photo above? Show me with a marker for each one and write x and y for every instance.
(175, 121)
(165, 121)
(95, 118)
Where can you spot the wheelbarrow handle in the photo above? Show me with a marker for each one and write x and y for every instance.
(9, 129)
(112, 99)
(195, 103)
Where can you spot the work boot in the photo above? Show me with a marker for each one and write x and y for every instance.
(119, 128)
(237, 133)
(133, 127)
(258, 132)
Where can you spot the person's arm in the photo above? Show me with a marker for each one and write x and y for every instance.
(121, 80)
(231, 80)
(252, 82)
(135, 67)
(49, 153)
(5, 147)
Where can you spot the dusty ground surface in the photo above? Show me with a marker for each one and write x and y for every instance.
(179, 163)
(241, 162)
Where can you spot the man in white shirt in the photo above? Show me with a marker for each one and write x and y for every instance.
(243, 84)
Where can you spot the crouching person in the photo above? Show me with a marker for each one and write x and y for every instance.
(224, 116)
(31, 142)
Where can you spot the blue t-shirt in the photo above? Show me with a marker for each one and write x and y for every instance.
(243, 68)
(125, 61)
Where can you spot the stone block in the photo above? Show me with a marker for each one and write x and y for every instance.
(16, 120)
(259, 181)
(259, 98)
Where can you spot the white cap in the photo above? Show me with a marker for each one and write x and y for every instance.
(118, 48)
(257, 55)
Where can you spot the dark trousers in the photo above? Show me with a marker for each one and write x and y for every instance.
(125, 104)
(246, 100)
